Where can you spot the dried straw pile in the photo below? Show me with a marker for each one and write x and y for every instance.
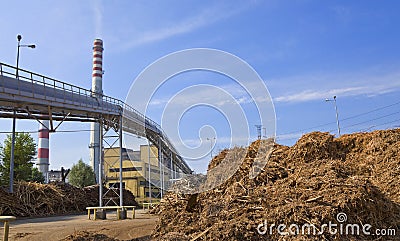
(308, 183)
(34, 199)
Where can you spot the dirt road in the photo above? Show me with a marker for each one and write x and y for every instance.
(56, 228)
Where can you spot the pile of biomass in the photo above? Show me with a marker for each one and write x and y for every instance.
(33, 199)
(354, 179)
(111, 196)
(93, 236)
(84, 235)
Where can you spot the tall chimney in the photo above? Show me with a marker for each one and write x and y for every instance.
(97, 91)
(43, 148)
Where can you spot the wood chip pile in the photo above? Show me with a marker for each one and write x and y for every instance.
(308, 183)
(33, 199)
(92, 194)
(93, 236)
(84, 235)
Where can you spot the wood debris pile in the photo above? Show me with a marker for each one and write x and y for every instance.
(93, 236)
(310, 183)
(84, 235)
(92, 194)
(33, 199)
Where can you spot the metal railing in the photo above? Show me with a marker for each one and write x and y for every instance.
(40, 86)
(68, 93)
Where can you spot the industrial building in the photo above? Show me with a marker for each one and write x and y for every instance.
(57, 175)
(136, 171)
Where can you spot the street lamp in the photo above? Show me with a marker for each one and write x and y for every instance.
(337, 114)
(211, 142)
(19, 37)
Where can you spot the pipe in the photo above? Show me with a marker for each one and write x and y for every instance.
(12, 156)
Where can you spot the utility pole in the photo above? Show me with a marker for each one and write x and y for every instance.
(258, 127)
(211, 139)
(337, 113)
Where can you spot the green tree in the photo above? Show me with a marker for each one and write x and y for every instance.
(24, 152)
(36, 176)
(81, 175)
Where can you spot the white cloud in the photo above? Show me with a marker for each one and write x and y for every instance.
(203, 95)
(158, 102)
(223, 140)
(302, 89)
(208, 95)
(353, 85)
(208, 16)
(313, 94)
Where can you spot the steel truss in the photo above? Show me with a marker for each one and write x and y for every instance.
(110, 137)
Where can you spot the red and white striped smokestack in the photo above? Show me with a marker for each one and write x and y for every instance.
(97, 91)
(97, 71)
(43, 148)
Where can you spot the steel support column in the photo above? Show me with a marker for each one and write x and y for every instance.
(150, 194)
(12, 156)
(171, 164)
(121, 198)
(160, 165)
(101, 164)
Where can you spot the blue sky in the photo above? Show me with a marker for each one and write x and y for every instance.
(305, 51)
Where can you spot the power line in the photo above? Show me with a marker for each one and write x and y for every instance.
(344, 119)
(390, 122)
(382, 124)
(33, 132)
(10, 132)
(378, 118)
(69, 131)
(386, 123)
(301, 131)
(309, 128)
(368, 112)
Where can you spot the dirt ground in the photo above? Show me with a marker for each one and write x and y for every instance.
(57, 228)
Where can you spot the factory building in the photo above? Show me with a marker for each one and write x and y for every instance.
(135, 171)
(58, 175)
(54, 176)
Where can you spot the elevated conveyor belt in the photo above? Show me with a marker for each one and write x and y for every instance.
(34, 96)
